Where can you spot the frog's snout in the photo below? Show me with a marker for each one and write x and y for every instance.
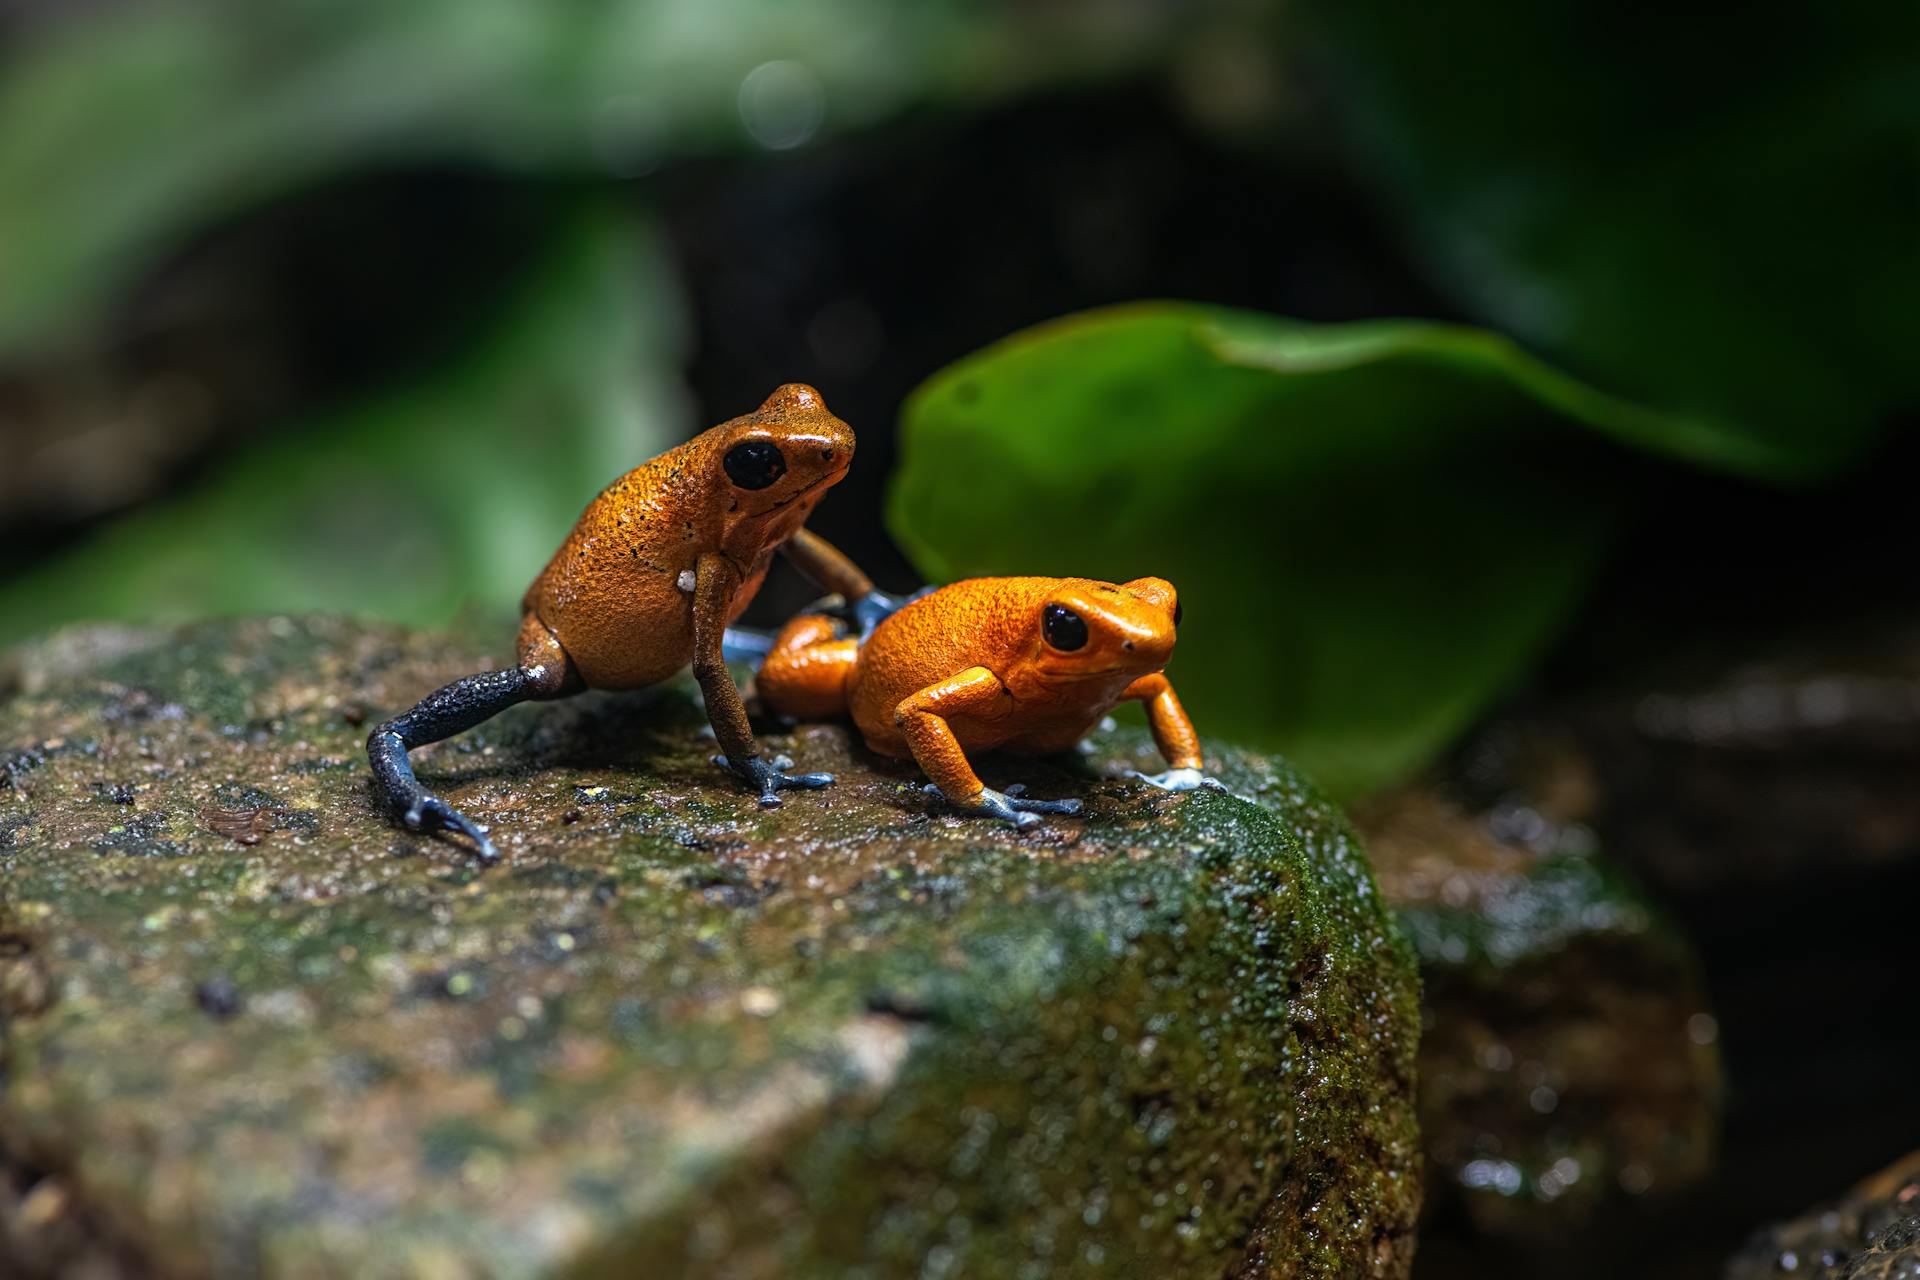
(1152, 649)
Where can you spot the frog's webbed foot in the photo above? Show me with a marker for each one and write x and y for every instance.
(1187, 779)
(770, 777)
(1010, 805)
(428, 813)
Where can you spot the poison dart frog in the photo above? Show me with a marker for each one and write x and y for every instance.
(1026, 665)
(648, 580)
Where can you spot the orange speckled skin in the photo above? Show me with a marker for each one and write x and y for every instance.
(645, 584)
(616, 601)
(968, 668)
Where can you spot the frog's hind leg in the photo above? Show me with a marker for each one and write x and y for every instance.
(746, 646)
(805, 673)
(544, 672)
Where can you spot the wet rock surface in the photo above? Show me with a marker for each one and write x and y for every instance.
(1760, 791)
(1871, 1233)
(252, 1029)
(1568, 1062)
(1775, 759)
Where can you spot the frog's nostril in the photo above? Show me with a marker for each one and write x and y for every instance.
(826, 455)
(1127, 645)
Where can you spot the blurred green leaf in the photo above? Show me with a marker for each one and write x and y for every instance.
(1715, 210)
(1373, 527)
(444, 495)
(126, 130)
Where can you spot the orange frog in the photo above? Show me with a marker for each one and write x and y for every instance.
(1026, 665)
(648, 580)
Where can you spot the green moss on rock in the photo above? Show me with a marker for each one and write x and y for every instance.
(252, 1029)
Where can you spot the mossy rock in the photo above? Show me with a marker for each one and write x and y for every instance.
(253, 1029)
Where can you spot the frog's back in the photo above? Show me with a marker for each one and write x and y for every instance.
(981, 622)
(618, 594)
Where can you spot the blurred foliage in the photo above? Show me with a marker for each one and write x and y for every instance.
(1706, 208)
(129, 134)
(121, 136)
(1372, 526)
(423, 500)
(1375, 527)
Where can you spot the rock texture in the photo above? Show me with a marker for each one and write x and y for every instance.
(251, 1029)
(1569, 1059)
(1871, 1233)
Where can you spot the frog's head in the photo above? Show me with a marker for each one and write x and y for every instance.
(1090, 628)
(772, 465)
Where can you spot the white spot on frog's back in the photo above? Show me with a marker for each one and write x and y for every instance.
(686, 581)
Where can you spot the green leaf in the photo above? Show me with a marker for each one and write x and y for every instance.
(1708, 210)
(125, 132)
(445, 495)
(1373, 527)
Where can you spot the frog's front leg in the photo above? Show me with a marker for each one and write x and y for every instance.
(1173, 734)
(715, 583)
(922, 721)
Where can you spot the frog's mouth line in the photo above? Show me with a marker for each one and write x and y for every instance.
(1068, 674)
(831, 478)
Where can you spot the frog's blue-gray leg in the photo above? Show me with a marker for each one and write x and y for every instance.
(1010, 805)
(441, 714)
(749, 646)
(746, 646)
(874, 608)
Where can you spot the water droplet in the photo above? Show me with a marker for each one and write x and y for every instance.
(1502, 1176)
(782, 104)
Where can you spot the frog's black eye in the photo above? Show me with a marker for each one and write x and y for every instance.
(1065, 630)
(1177, 611)
(755, 464)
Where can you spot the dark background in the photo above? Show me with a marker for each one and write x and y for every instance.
(1236, 155)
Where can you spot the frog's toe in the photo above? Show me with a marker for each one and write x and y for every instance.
(1187, 779)
(998, 804)
(1006, 805)
(1070, 808)
(1016, 797)
(429, 813)
(771, 778)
